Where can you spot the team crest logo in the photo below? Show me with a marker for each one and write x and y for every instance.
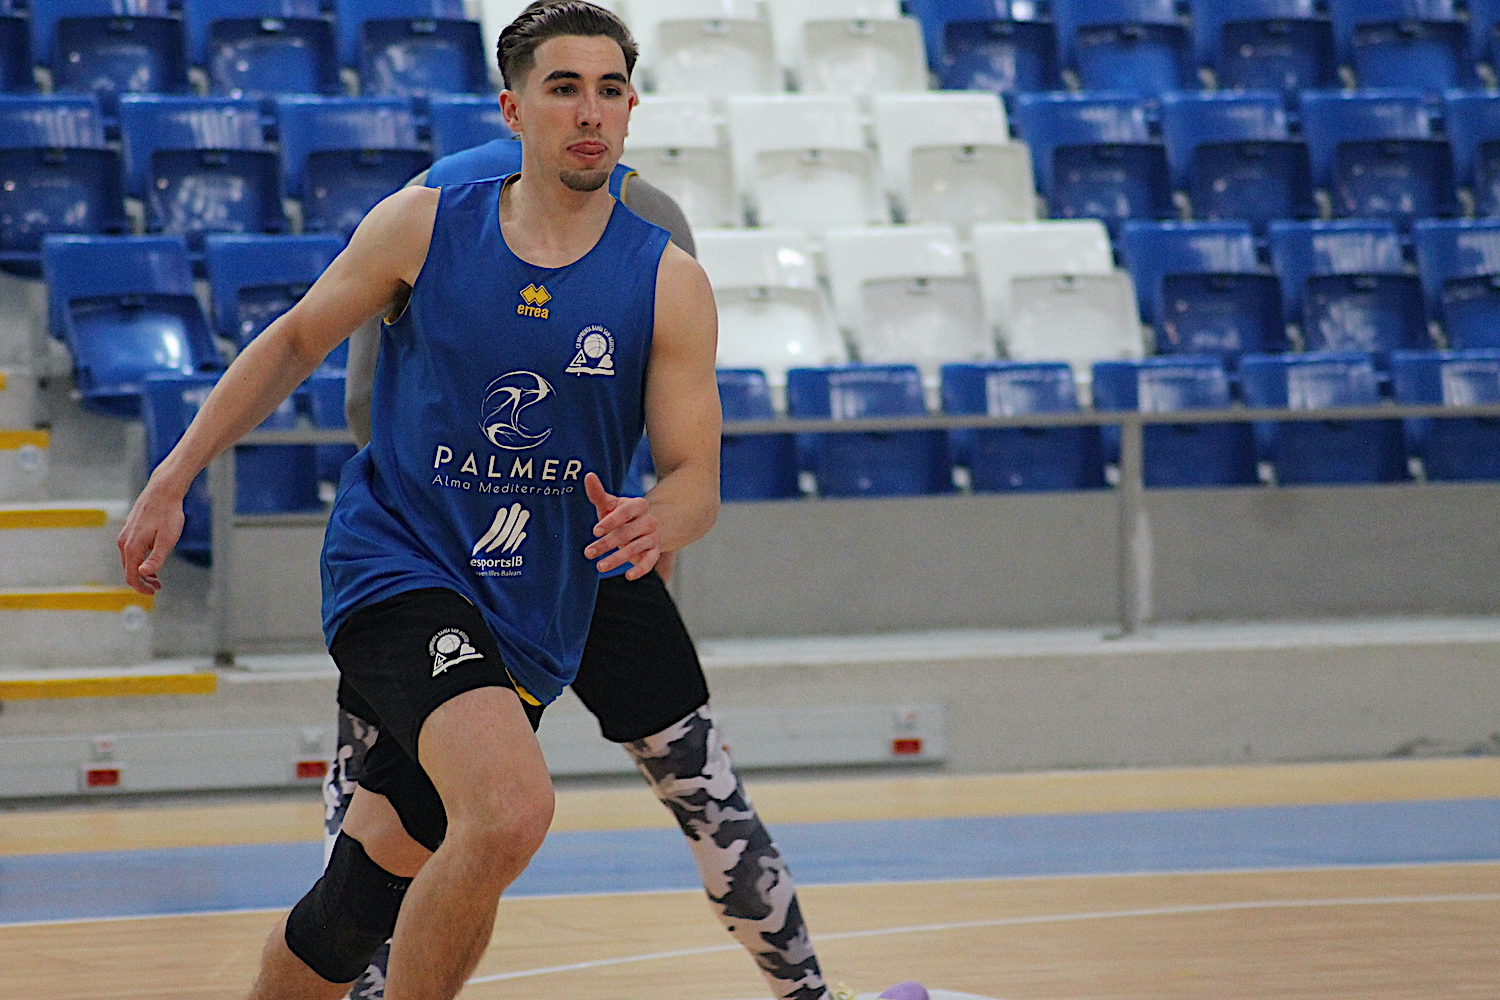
(534, 299)
(505, 400)
(596, 353)
(449, 648)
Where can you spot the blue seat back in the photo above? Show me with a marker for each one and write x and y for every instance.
(1483, 17)
(1031, 458)
(1450, 248)
(1290, 55)
(199, 17)
(111, 54)
(257, 278)
(1150, 58)
(1431, 55)
(1332, 119)
(1451, 450)
(46, 13)
(1378, 313)
(60, 120)
(463, 121)
(1047, 121)
(325, 397)
(315, 124)
(1349, 15)
(117, 341)
(263, 57)
(343, 185)
(936, 15)
(1075, 16)
(1473, 126)
(1190, 120)
(1471, 311)
(353, 14)
(1002, 56)
(152, 123)
(1210, 17)
(15, 54)
(1180, 455)
(1152, 250)
(81, 266)
(758, 466)
(1226, 315)
(1300, 250)
(1258, 182)
(1317, 452)
(900, 464)
(57, 190)
(424, 57)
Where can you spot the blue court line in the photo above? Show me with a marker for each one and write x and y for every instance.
(264, 876)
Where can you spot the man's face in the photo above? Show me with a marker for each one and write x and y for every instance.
(573, 109)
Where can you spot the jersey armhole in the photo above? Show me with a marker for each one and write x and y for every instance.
(398, 312)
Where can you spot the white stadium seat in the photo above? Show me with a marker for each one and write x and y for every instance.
(1079, 319)
(772, 314)
(713, 47)
(962, 186)
(862, 57)
(904, 122)
(788, 17)
(675, 143)
(1006, 251)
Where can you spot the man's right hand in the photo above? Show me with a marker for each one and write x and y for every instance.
(151, 532)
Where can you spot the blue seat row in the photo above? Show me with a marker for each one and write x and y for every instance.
(205, 164)
(1152, 46)
(246, 47)
(1379, 154)
(1187, 454)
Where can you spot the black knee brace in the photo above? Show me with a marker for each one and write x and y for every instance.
(348, 915)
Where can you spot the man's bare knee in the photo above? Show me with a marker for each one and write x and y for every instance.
(508, 829)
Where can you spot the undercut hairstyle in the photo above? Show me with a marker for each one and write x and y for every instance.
(516, 50)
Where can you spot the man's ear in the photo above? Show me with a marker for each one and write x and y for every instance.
(511, 109)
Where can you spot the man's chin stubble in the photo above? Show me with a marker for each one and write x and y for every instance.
(584, 180)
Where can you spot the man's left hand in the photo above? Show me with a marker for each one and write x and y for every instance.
(626, 531)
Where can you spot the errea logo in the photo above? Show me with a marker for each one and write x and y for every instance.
(534, 299)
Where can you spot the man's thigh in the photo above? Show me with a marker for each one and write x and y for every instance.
(640, 672)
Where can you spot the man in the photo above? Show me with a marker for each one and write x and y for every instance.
(640, 676)
(492, 428)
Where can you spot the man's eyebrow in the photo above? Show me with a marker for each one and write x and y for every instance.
(563, 74)
(618, 77)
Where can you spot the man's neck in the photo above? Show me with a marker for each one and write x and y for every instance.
(549, 224)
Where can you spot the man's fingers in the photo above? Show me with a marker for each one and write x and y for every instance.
(629, 509)
(622, 536)
(602, 499)
(642, 550)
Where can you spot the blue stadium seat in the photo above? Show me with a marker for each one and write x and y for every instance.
(257, 278)
(1180, 455)
(353, 15)
(342, 155)
(1484, 17)
(1473, 125)
(1094, 157)
(325, 397)
(758, 466)
(81, 266)
(202, 165)
(463, 121)
(15, 51)
(56, 175)
(268, 480)
(1462, 449)
(1460, 264)
(1346, 283)
(1233, 154)
(1284, 45)
(1404, 43)
(258, 48)
(91, 46)
(1022, 459)
(1004, 56)
(117, 341)
(401, 58)
(1139, 45)
(1312, 452)
(911, 463)
(1378, 156)
(1152, 250)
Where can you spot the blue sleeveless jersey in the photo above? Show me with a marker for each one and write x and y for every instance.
(501, 158)
(500, 386)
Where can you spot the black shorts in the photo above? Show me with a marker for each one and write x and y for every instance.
(640, 672)
(399, 660)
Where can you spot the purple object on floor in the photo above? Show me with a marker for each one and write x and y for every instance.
(908, 990)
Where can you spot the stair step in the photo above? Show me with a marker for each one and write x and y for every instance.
(60, 543)
(45, 627)
(24, 461)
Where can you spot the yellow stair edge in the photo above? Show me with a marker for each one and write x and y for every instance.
(11, 440)
(4, 382)
(74, 599)
(62, 517)
(109, 687)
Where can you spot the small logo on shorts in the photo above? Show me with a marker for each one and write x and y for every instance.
(449, 648)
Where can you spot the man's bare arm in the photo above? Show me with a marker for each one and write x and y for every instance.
(683, 423)
(386, 252)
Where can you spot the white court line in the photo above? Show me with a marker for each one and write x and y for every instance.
(1051, 918)
(957, 880)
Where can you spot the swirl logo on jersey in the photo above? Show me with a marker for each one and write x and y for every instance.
(505, 400)
(504, 537)
(596, 352)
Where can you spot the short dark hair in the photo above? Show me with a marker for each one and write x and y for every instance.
(544, 19)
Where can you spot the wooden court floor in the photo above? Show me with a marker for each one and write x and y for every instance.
(1428, 932)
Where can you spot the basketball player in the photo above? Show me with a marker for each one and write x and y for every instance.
(451, 632)
(640, 676)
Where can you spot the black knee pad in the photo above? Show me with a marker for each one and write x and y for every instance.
(351, 911)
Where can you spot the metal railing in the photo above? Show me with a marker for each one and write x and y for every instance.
(1135, 569)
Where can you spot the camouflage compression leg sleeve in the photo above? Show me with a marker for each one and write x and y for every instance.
(745, 876)
(356, 736)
